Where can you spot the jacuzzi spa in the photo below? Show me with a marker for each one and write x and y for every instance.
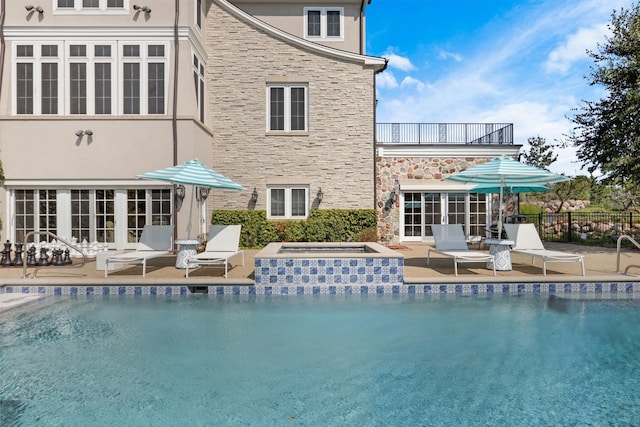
(328, 263)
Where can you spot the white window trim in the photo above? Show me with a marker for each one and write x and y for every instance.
(102, 9)
(198, 13)
(287, 107)
(63, 212)
(323, 24)
(200, 94)
(143, 60)
(90, 60)
(287, 201)
(37, 60)
(64, 59)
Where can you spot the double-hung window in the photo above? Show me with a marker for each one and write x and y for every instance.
(288, 202)
(324, 23)
(287, 108)
(80, 6)
(37, 78)
(198, 81)
(90, 78)
(143, 78)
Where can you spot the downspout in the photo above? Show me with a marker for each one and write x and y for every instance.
(362, 27)
(375, 135)
(174, 117)
(2, 42)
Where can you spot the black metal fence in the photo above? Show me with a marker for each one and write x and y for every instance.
(580, 227)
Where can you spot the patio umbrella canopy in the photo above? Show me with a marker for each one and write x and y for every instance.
(533, 188)
(504, 172)
(194, 173)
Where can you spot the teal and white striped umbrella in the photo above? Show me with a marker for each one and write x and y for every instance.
(504, 172)
(193, 172)
(531, 188)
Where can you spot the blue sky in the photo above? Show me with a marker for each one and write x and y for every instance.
(497, 61)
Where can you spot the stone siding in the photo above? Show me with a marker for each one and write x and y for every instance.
(336, 155)
(390, 170)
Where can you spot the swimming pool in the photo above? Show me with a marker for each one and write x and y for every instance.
(410, 359)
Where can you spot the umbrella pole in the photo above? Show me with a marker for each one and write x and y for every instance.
(189, 224)
(500, 212)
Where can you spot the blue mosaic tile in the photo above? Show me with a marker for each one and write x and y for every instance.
(348, 289)
(364, 289)
(536, 287)
(614, 287)
(598, 288)
(521, 287)
(411, 289)
(567, 287)
(316, 290)
(443, 289)
(268, 290)
(474, 289)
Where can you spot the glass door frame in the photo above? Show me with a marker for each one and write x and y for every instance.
(444, 213)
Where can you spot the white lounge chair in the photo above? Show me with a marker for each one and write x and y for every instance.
(527, 241)
(222, 244)
(155, 241)
(451, 241)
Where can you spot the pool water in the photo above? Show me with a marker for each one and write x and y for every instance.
(320, 360)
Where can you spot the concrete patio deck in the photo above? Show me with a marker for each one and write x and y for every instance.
(600, 266)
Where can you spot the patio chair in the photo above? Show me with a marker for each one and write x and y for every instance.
(528, 242)
(155, 241)
(222, 245)
(451, 241)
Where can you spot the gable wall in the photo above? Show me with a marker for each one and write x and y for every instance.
(337, 152)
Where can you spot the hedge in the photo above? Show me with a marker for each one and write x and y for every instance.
(323, 225)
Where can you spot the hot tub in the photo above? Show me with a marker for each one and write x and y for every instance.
(328, 263)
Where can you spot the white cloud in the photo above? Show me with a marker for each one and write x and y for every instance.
(409, 81)
(449, 55)
(399, 62)
(386, 80)
(575, 48)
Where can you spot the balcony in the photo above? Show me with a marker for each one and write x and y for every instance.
(444, 133)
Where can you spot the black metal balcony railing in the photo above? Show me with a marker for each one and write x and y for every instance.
(444, 133)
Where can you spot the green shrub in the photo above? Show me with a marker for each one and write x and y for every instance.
(330, 225)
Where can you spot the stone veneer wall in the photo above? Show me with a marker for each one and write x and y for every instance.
(390, 170)
(338, 152)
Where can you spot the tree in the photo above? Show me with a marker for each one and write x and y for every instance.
(540, 153)
(606, 133)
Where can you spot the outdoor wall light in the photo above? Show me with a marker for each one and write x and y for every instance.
(202, 193)
(320, 194)
(180, 192)
(31, 8)
(144, 9)
(254, 195)
(79, 133)
(88, 132)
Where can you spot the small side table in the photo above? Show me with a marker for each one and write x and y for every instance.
(501, 251)
(186, 249)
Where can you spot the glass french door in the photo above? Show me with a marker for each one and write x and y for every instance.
(421, 209)
(114, 217)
